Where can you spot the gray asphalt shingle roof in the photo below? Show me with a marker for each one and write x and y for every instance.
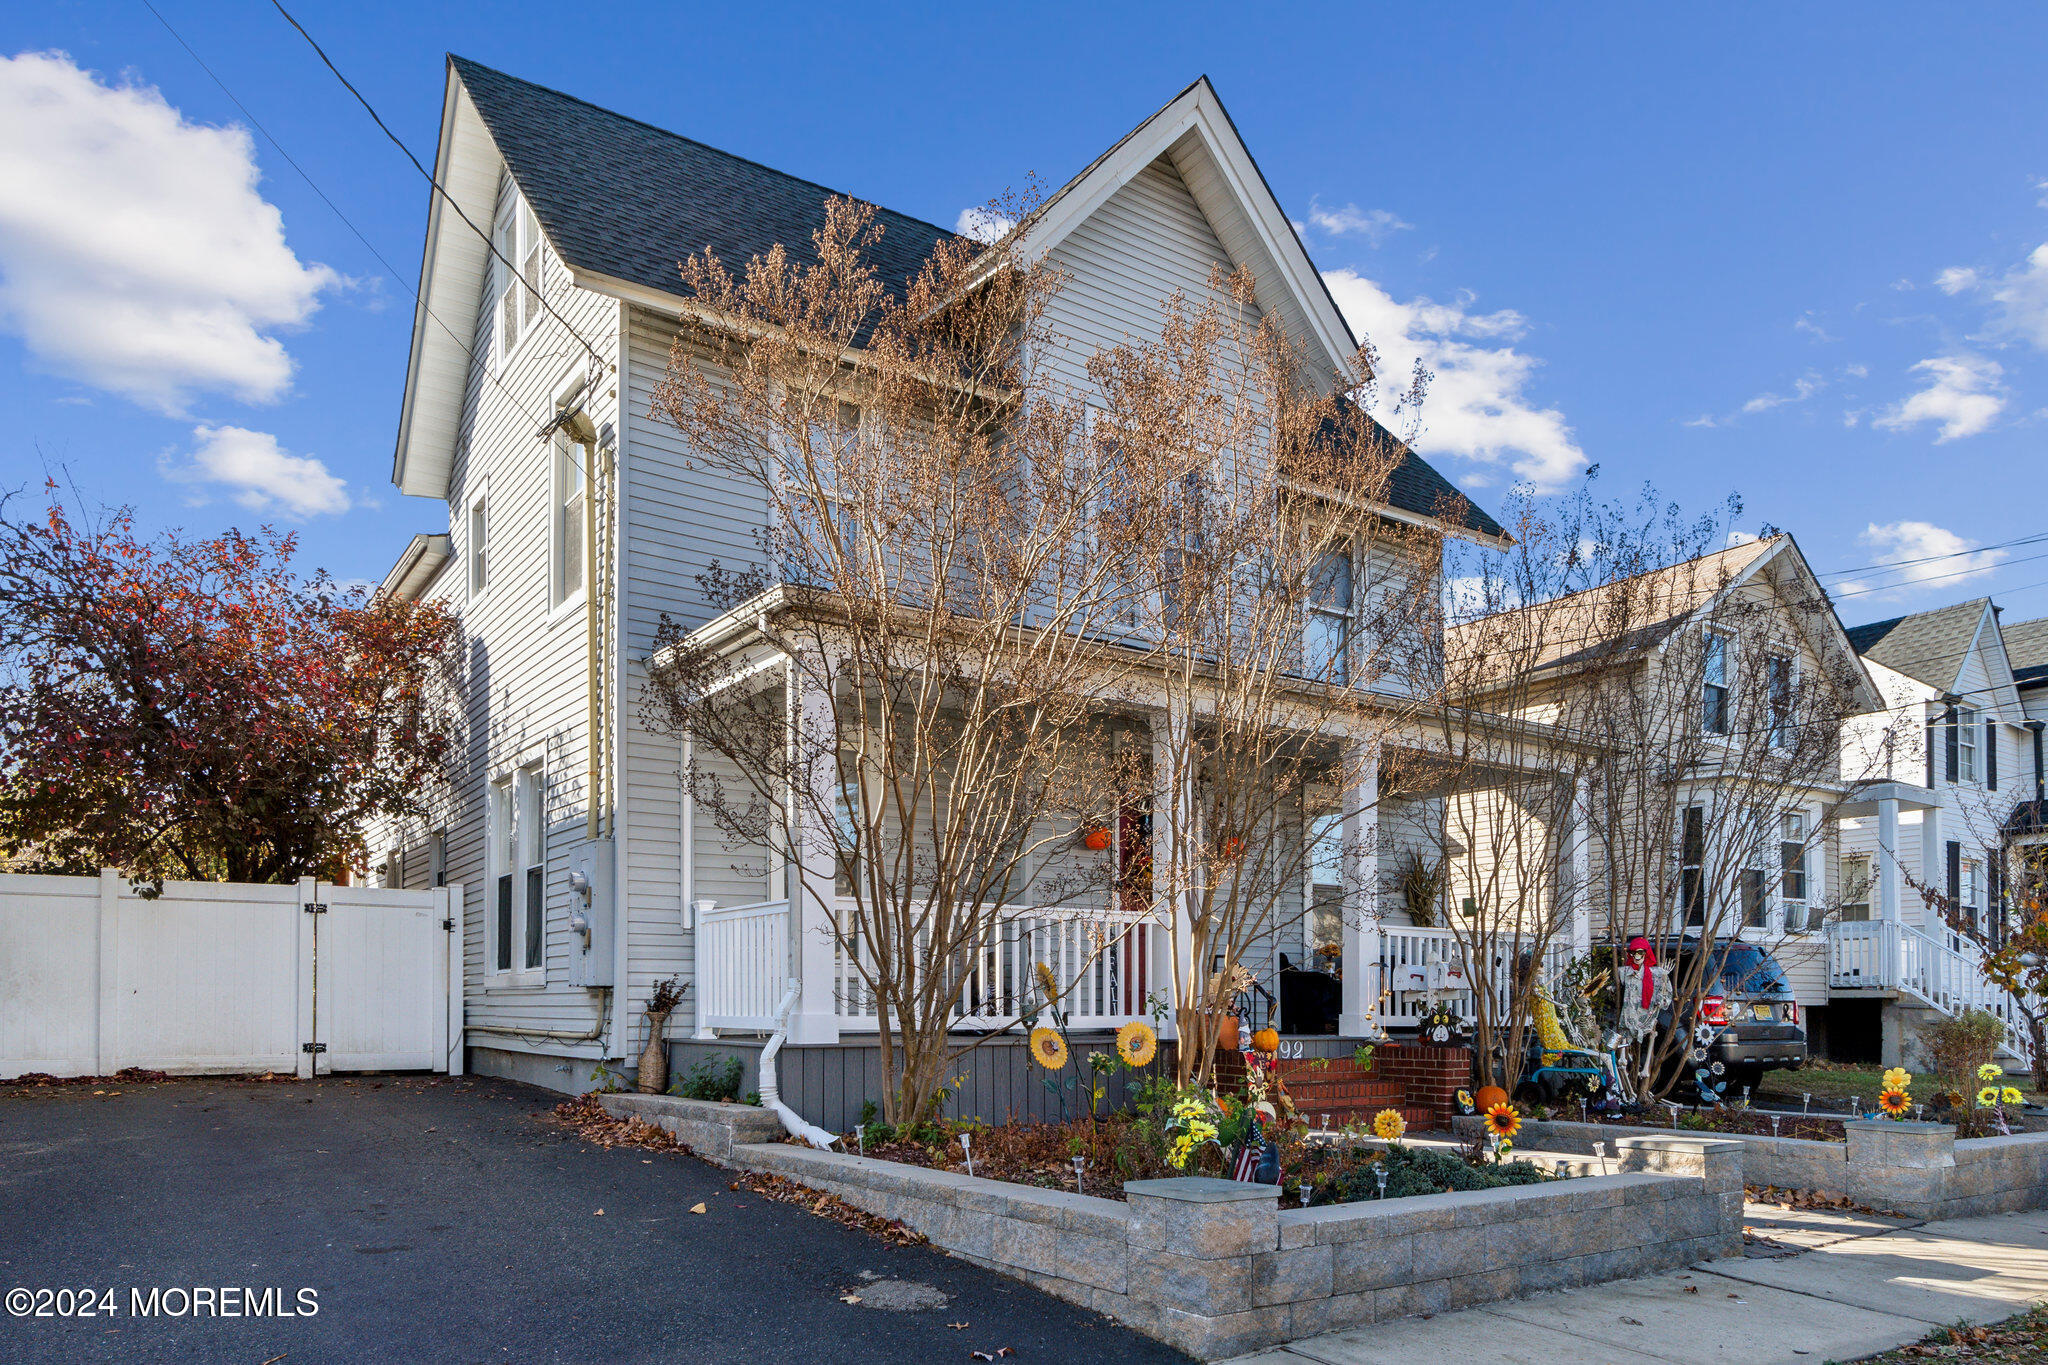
(1927, 646)
(623, 198)
(2026, 644)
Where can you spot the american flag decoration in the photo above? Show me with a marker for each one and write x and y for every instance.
(1246, 1167)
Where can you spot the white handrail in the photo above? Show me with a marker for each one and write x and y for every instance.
(1890, 955)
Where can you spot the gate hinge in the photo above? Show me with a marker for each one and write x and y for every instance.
(316, 907)
(312, 1047)
(448, 926)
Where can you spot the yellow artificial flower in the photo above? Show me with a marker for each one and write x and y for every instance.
(1048, 1048)
(1136, 1043)
(1990, 1071)
(1896, 1103)
(1987, 1097)
(1047, 982)
(2011, 1095)
(1388, 1125)
(1898, 1078)
(1503, 1147)
(1502, 1121)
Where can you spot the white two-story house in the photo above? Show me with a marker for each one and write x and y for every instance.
(1961, 755)
(549, 302)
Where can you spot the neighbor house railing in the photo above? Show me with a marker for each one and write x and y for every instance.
(1888, 955)
(742, 965)
(1414, 963)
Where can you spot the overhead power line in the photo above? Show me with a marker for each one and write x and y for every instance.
(490, 244)
(2030, 539)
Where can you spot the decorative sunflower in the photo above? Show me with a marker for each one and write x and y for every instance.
(1048, 1049)
(2011, 1095)
(1136, 1043)
(1990, 1071)
(1388, 1125)
(1502, 1121)
(1503, 1147)
(1896, 1103)
(1898, 1078)
(1987, 1097)
(1464, 1101)
(1047, 982)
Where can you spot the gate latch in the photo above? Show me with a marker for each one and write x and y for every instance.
(316, 907)
(312, 1047)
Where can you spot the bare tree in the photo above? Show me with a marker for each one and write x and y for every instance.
(1275, 600)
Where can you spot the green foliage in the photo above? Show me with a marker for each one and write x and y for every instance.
(608, 1081)
(1350, 1176)
(708, 1080)
(1362, 1056)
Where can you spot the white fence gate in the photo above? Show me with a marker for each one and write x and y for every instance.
(226, 976)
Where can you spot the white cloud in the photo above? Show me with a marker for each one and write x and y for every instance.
(1926, 555)
(1956, 279)
(259, 474)
(2020, 295)
(1855, 371)
(983, 224)
(135, 251)
(1805, 323)
(1741, 538)
(1803, 388)
(1963, 394)
(1479, 406)
(1375, 225)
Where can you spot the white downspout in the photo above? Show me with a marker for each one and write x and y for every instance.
(771, 1093)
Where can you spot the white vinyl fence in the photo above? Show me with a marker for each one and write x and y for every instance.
(227, 977)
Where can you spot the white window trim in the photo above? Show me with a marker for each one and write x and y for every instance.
(473, 553)
(1806, 852)
(1790, 659)
(561, 604)
(1969, 726)
(515, 232)
(503, 858)
(1347, 661)
(1726, 734)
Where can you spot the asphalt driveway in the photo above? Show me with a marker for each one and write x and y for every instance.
(440, 1220)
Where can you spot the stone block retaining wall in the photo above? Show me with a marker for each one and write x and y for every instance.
(1918, 1169)
(1216, 1267)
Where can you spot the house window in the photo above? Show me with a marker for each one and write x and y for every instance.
(1755, 904)
(1714, 693)
(479, 547)
(1778, 681)
(1792, 853)
(1329, 617)
(1692, 865)
(518, 873)
(437, 859)
(1856, 887)
(1970, 895)
(515, 297)
(1966, 730)
(567, 531)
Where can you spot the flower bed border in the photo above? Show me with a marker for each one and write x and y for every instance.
(1216, 1267)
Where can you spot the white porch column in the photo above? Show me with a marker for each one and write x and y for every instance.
(1358, 1016)
(1173, 816)
(1888, 881)
(1933, 866)
(811, 866)
(1579, 858)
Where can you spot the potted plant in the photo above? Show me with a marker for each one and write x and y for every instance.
(667, 995)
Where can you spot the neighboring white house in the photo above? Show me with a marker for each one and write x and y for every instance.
(1963, 753)
(568, 825)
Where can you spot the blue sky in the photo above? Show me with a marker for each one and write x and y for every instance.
(1788, 252)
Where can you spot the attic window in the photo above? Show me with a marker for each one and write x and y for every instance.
(515, 297)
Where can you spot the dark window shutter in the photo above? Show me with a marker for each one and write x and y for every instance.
(1994, 900)
(1949, 742)
(1991, 755)
(1955, 876)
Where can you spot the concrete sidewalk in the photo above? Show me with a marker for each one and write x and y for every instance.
(1837, 1287)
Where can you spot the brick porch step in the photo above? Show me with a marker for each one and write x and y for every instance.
(1305, 1091)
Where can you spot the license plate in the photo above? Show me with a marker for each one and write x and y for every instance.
(1760, 1012)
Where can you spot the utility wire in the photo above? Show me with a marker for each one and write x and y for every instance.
(314, 185)
(1937, 578)
(2029, 539)
(489, 242)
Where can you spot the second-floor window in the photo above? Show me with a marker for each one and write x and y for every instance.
(1856, 887)
(1778, 685)
(1327, 647)
(1969, 765)
(568, 551)
(1692, 865)
(1714, 691)
(479, 547)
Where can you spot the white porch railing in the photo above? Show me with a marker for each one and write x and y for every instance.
(1415, 962)
(742, 965)
(1103, 957)
(1887, 955)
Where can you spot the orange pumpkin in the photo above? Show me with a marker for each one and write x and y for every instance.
(1266, 1040)
(1488, 1096)
(1096, 839)
(1226, 1033)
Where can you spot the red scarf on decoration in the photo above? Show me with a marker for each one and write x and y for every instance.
(1649, 961)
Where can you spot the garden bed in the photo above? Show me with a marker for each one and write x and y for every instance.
(1123, 1147)
(1733, 1122)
